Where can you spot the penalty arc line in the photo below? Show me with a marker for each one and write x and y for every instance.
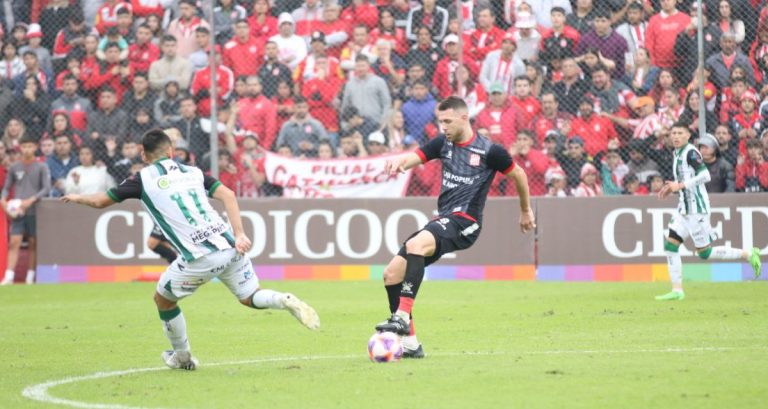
(40, 392)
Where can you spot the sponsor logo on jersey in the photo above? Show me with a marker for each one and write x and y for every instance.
(474, 160)
(163, 183)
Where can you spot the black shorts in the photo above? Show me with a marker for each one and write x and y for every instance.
(25, 225)
(451, 233)
(157, 234)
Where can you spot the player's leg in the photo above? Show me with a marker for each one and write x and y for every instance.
(14, 245)
(31, 227)
(672, 242)
(180, 280)
(417, 248)
(244, 284)
(394, 274)
(702, 235)
(158, 244)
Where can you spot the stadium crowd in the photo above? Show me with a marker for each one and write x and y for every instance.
(581, 92)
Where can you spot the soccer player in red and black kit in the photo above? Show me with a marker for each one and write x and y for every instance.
(470, 162)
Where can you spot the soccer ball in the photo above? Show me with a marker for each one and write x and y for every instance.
(385, 347)
(14, 208)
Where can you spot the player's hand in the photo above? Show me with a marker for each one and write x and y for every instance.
(70, 198)
(669, 187)
(394, 166)
(527, 221)
(242, 243)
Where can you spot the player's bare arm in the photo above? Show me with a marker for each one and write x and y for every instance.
(402, 163)
(227, 196)
(96, 200)
(527, 219)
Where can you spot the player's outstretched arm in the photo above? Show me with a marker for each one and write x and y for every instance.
(96, 200)
(401, 163)
(227, 196)
(527, 219)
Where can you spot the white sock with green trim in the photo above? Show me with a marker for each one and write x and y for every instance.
(727, 253)
(175, 328)
(268, 299)
(675, 267)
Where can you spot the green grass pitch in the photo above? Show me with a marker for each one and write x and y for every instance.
(489, 345)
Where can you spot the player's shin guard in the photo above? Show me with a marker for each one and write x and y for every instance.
(414, 274)
(674, 264)
(727, 253)
(165, 252)
(175, 328)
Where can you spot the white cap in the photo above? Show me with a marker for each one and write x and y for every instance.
(377, 137)
(284, 18)
(525, 20)
(450, 38)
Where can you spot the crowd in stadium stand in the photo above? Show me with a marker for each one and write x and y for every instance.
(582, 92)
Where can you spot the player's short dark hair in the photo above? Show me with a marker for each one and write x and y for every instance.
(681, 125)
(452, 102)
(154, 140)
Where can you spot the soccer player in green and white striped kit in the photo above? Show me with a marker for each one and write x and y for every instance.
(693, 210)
(176, 196)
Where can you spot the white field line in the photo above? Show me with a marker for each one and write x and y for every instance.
(40, 392)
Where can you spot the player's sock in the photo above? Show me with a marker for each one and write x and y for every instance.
(175, 328)
(674, 264)
(393, 294)
(410, 342)
(165, 252)
(263, 299)
(414, 274)
(727, 253)
(9, 276)
(30, 277)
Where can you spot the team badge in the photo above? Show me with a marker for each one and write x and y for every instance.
(474, 160)
(163, 183)
(253, 49)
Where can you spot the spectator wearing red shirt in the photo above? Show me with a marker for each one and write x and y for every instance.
(361, 12)
(752, 170)
(596, 130)
(143, 8)
(110, 72)
(335, 29)
(560, 29)
(244, 53)
(107, 15)
(445, 71)
(75, 106)
(72, 36)
(229, 172)
(425, 178)
(748, 123)
(307, 68)
(550, 119)
(730, 99)
(258, 114)
(526, 104)
(320, 91)
(183, 28)
(246, 156)
(201, 83)
(387, 30)
(143, 52)
(486, 37)
(263, 24)
(500, 120)
(661, 34)
(533, 161)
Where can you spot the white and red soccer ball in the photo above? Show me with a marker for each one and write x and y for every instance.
(385, 347)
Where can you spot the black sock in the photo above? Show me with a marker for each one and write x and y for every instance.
(393, 293)
(165, 252)
(414, 273)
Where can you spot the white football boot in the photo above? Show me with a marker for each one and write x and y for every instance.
(301, 311)
(179, 360)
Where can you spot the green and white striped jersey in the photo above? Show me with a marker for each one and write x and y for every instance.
(176, 197)
(689, 169)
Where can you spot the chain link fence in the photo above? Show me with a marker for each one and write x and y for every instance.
(582, 93)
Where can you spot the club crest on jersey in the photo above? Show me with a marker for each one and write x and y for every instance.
(449, 155)
(163, 183)
(474, 160)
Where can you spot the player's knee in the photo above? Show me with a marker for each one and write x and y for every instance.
(704, 253)
(163, 303)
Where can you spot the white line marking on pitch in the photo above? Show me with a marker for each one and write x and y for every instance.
(40, 392)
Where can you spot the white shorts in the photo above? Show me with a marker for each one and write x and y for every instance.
(181, 279)
(695, 226)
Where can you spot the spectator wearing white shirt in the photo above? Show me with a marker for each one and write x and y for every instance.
(88, 178)
(292, 49)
